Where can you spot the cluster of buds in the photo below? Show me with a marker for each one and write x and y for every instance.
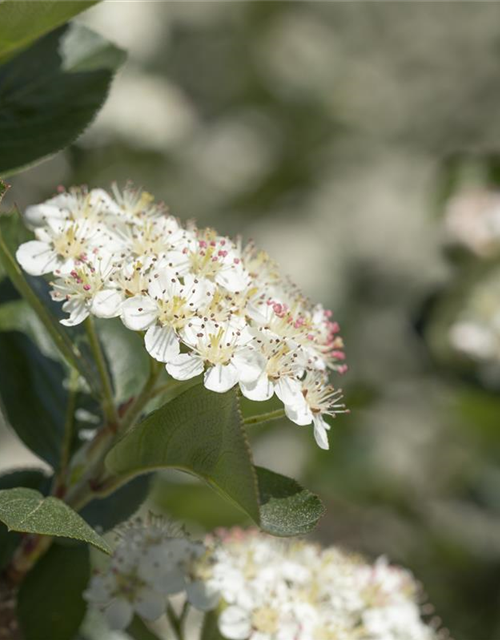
(206, 304)
(261, 588)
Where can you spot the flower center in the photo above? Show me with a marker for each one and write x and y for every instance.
(265, 620)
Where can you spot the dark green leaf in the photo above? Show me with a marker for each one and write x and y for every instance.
(199, 432)
(30, 478)
(26, 510)
(108, 512)
(22, 22)
(50, 603)
(286, 508)
(51, 92)
(32, 395)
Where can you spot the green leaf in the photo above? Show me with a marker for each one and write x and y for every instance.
(32, 395)
(50, 603)
(51, 92)
(286, 508)
(22, 22)
(8, 229)
(31, 478)
(199, 432)
(26, 510)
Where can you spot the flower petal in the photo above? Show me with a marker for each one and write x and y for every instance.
(107, 303)
(185, 366)
(118, 613)
(221, 378)
(235, 624)
(299, 413)
(320, 429)
(289, 391)
(150, 604)
(232, 278)
(37, 258)
(250, 364)
(139, 313)
(260, 390)
(78, 312)
(202, 596)
(161, 343)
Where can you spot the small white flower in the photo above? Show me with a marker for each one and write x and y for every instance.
(84, 291)
(317, 400)
(168, 306)
(281, 366)
(224, 350)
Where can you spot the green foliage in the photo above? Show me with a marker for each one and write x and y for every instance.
(26, 510)
(32, 395)
(23, 22)
(201, 433)
(51, 92)
(29, 478)
(50, 602)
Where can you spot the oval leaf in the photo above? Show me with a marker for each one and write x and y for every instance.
(199, 432)
(32, 478)
(32, 395)
(26, 510)
(51, 92)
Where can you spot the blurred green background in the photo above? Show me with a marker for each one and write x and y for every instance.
(335, 134)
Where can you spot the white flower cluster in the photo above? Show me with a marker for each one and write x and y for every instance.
(278, 590)
(259, 587)
(148, 565)
(206, 304)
